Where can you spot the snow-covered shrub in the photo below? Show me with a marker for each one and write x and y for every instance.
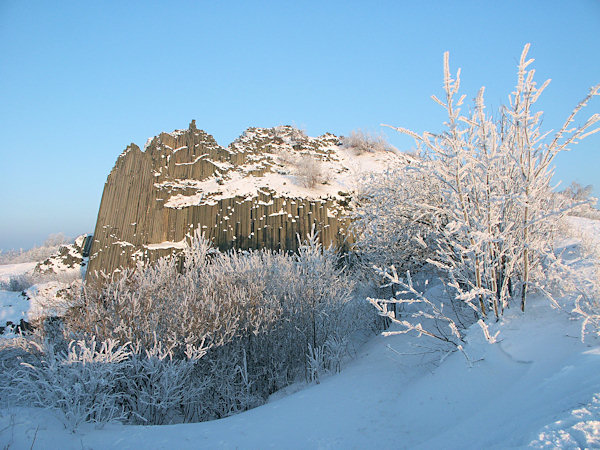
(17, 283)
(390, 226)
(101, 382)
(289, 133)
(13, 352)
(577, 192)
(326, 358)
(336, 349)
(159, 389)
(316, 363)
(491, 217)
(232, 385)
(309, 170)
(56, 240)
(146, 306)
(362, 142)
(585, 274)
(50, 299)
(298, 135)
(208, 335)
(213, 333)
(81, 381)
(293, 300)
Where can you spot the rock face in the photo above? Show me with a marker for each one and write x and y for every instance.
(263, 190)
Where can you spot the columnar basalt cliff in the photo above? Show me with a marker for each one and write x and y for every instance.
(69, 258)
(263, 190)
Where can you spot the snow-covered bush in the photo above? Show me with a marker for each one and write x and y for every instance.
(90, 381)
(158, 389)
(390, 226)
(326, 358)
(141, 306)
(82, 381)
(290, 133)
(57, 239)
(205, 336)
(362, 142)
(309, 170)
(585, 273)
(17, 283)
(490, 212)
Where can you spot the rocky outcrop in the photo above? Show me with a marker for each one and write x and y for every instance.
(263, 190)
(69, 258)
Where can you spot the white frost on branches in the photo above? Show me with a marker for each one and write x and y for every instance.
(476, 204)
(206, 336)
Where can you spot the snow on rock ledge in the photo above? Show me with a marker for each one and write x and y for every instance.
(264, 189)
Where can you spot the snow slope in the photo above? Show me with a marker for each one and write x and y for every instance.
(13, 305)
(42, 299)
(10, 270)
(539, 386)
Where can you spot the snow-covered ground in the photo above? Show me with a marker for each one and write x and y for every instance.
(538, 386)
(10, 270)
(13, 305)
(46, 297)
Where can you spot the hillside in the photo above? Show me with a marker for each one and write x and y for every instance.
(29, 291)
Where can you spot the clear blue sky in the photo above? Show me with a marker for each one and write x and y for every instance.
(80, 80)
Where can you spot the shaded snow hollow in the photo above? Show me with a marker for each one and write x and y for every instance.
(539, 386)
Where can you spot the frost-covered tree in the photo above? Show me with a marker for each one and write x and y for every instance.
(490, 210)
(576, 191)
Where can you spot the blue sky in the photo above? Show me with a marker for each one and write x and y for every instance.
(81, 80)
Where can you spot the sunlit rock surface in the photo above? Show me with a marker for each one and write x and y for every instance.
(262, 191)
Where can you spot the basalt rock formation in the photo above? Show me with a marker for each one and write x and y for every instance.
(262, 191)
